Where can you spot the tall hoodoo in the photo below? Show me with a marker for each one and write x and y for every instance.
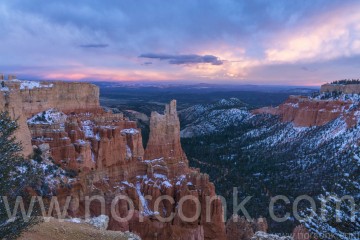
(164, 139)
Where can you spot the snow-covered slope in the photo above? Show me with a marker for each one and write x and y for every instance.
(264, 156)
(212, 118)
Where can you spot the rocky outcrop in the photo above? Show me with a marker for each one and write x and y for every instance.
(308, 112)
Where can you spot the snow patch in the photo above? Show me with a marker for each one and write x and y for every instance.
(34, 84)
(50, 116)
(131, 131)
(145, 207)
(100, 222)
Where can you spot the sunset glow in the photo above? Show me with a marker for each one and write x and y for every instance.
(256, 42)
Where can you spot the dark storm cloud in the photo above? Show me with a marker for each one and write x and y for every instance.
(94, 45)
(184, 59)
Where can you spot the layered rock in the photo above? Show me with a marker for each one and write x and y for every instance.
(22, 99)
(343, 88)
(65, 96)
(308, 112)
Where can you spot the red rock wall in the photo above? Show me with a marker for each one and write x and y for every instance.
(307, 112)
(346, 89)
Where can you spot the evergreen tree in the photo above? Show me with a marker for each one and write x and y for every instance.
(16, 174)
(339, 218)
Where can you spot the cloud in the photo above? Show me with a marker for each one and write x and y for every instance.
(329, 36)
(231, 39)
(184, 59)
(96, 45)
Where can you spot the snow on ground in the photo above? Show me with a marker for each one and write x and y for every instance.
(97, 137)
(145, 207)
(131, 131)
(100, 222)
(53, 175)
(180, 179)
(74, 220)
(82, 142)
(33, 84)
(4, 89)
(128, 151)
(161, 176)
(215, 121)
(157, 160)
(49, 116)
(88, 128)
(355, 98)
(167, 184)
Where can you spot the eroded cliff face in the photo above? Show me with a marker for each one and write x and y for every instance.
(10, 101)
(345, 89)
(308, 112)
(106, 152)
(22, 99)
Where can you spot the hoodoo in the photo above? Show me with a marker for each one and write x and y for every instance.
(164, 140)
(105, 151)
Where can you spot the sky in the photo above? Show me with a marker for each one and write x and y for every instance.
(280, 42)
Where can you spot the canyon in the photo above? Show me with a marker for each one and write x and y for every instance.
(105, 155)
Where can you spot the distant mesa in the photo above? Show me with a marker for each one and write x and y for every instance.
(347, 86)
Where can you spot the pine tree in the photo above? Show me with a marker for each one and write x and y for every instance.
(16, 174)
(342, 222)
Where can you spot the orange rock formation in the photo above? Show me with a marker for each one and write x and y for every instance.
(308, 112)
(107, 152)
